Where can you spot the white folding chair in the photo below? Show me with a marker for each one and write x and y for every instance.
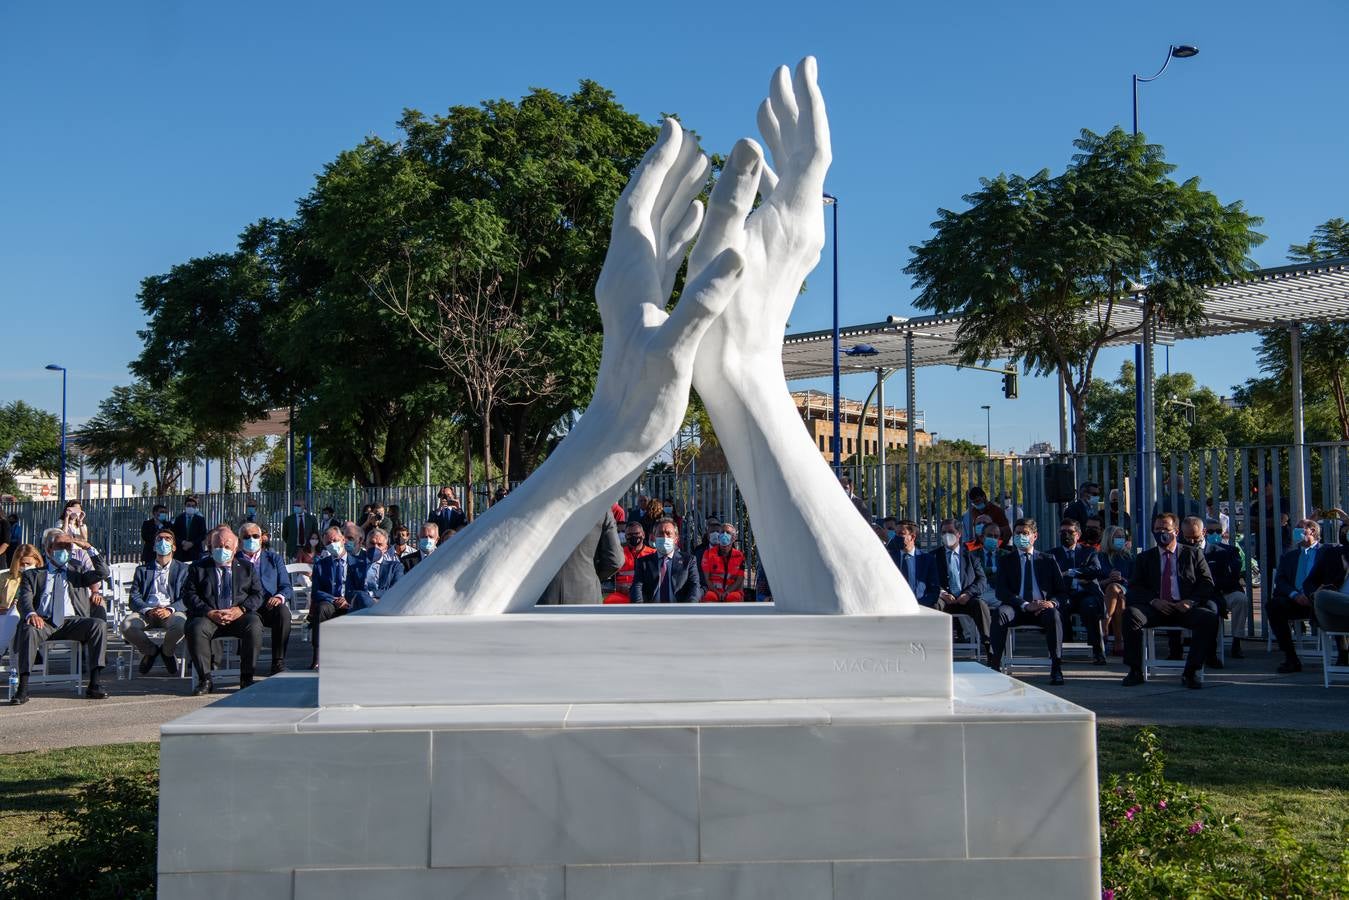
(968, 648)
(69, 652)
(1012, 661)
(301, 582)
(1329, 653)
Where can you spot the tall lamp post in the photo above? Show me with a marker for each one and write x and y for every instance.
(61, 479)
(831, 200)
(988, 430)
(1145, 442)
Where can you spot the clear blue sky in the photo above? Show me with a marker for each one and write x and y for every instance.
(139, 135)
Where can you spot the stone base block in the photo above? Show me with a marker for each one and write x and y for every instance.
(991, 793)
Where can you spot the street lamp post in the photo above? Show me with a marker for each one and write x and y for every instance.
(61, 479)
(988, 430)
(831, 200)
(1145, 442)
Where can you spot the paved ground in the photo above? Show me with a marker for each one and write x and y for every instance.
(1247, 694)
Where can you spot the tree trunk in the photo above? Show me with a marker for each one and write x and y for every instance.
(1337, 382)
(1078, 399)
(468, 475)
(487, 450)
(506, 459)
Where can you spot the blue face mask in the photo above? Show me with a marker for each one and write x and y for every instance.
(889, 534)
(351, 547)
(426, 545)
(190, 510)
(60, 557)
(979, 504)
(163, 547)
(1118, 543)
(251, 510)
(1092, 502)
(1213, 540)
(669, 510)
(990, 543)
(163, 517)
(664, 545)
(724, 539)
(222, 555)
(1021, 541)
(298, 510)
(252, 545)
(978, 528)
(1298, 535)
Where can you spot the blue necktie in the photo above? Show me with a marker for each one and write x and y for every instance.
(953, 569)
(1027, 580)
(908, 570)
(226, 598)
(1304, 566)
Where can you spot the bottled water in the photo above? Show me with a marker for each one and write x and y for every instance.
(13, 681)
(121, 667)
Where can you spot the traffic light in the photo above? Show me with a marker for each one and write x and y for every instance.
(1009, 385)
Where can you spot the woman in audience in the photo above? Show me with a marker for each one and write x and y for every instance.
(26, 556)
(1119, 567)
(310, 551)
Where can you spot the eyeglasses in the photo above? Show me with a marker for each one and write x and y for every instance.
(1219, 533)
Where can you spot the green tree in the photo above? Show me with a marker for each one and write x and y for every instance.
(1188, 416)
(147, 427)
(1041, 267)
(30, 440)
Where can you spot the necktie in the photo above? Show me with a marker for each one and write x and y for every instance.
(908, 569)
(1027, 580)
(226, 598)
(989, 562)
(340, 577)
(1168, 572)
(663, 591)
(372, 575)
(953, 572)
(1304, 567)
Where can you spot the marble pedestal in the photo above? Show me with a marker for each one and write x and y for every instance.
(990, 791)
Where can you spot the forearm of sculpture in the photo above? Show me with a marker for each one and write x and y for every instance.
(760, 431)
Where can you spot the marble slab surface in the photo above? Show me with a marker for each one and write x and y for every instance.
(681, 653)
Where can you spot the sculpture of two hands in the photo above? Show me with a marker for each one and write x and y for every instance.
(724, 336)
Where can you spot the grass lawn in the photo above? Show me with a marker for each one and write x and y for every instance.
(1263, 776)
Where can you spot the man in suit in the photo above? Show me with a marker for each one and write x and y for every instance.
(958, 581)
(222, 595)
(277, 593)
(1229, 580)
(595, 559)
(666, 576)
(1086, 506)
(1082, 568)
(373, 571)
(1171, 585)
(447, 515)
(914, 565)
(251, 516)
(1331, 602)
(328, 520)
(297, 527)
(428, 538)
(189, 531)
(991, 554)
(1030, 592)
(1296, 581)
(150, 528)
(332, 587)
(157, 602)
(54, 603)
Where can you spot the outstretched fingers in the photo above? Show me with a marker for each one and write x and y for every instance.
(677, 244)
(731, 202)
(703, 299)
(644, 187)
(682, 183)
(771, 131)
(812, 120)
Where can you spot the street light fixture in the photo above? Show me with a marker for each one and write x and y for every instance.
(61, 479)
(831, 200)
(988, 433)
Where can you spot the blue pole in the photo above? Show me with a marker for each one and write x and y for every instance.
(309, 466)
(838, 429)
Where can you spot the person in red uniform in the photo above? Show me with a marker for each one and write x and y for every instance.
(634, 548)
(724, 568)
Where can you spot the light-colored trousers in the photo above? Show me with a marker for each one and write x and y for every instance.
(1239, 608)
(1332, 610)
(133, 629)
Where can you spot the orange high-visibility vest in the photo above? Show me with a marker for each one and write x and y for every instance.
(722, 572)
(623, 580)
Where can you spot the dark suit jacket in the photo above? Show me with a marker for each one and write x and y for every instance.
(1088, 564)
(149, 528)
(199, 591)
(683, 577)
(390, 570)
(972, 578)
(190, 528)
(1192, 573)
(451, 517)
(273, 578)
(295, 530)
(1047, 576)
(78, 582)
(1327, 572)
(325, 587)
(922, 566)
(143, 580)
(597, 557)
(411, 560)
(1224, 563)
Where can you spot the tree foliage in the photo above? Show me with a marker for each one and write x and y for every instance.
(30, 440)
(146, 426)
(1043, 267)
(1188, 416)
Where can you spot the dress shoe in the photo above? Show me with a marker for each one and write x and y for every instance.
(1135, 677)
(245, 682)
(170, 663)
(278, 666)
(1289, 666)
(148, 663)
(94, 692)
(1056, 675)
(203, 687)
(994, 662)
(1098, 658)
(19, 698)
(313, 666)
(1236, 650)
(1192, 680)
(1213, 662)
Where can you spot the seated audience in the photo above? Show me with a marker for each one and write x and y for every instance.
(1118, 566)
(427, 541)
(1224, 563)
(722, 568)
(914, 565)
(310, 550)
(402, 544)
(710, 531)
(374, 571)
(26, 556)
(991, 554)
(222, 595)
(958, 581)
(150, 528)
(330, 589)
(979, 506)
(157, 602)
(1310, 566)
(1171, 585)
(55, 604)
(1030, 591)
(668, 575)
(277, 592)
(634, 548)
(1082, 569)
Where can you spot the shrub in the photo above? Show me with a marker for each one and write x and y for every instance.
(105, 848)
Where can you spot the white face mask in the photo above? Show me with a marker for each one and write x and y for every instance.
(950, 540)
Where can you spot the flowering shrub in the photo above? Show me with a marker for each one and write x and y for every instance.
(1160, 838)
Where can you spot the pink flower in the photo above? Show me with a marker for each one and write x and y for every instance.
(1129, 815)
(1195, 828)
(1108, 894)
(1161, 804)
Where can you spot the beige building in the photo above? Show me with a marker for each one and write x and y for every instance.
(817, 412)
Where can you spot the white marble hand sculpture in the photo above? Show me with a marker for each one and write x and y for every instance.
(504, 561)
(821, 556)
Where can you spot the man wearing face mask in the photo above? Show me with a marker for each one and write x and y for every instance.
(1030, 591)
(222, 595)
(1115, 514)
(375, 571)
(157, 602)
(1087, 504)
(54, 604)
(250, 516)
(1331, 603)
(914, 565)
(150, 528)
(1171, 585)
(709, 540)
(189, 532)
(666, 576)
(979, 506)
(297, 527)
(1296, 581)
(1083, 569)
(428, 538)
(975, 542)
(332, 588)
(723, 569)
(634, 548)
(1224, 562)
(891, 527)
(595, 559)
(274, 581)
(959, 582)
